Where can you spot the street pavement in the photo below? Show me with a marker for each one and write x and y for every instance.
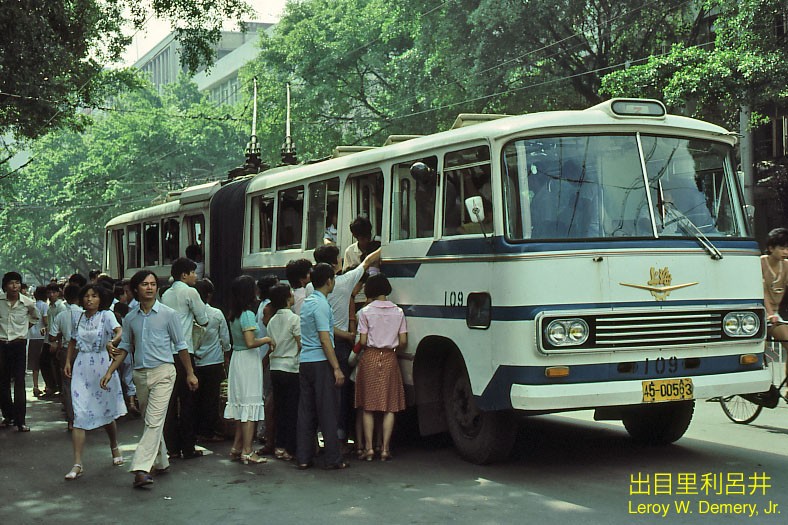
(566, 469)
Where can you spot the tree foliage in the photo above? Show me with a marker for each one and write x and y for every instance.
(54, 53)
(53, 217)
(746, 63)
(364, 69)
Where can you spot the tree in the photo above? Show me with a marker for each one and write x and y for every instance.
(54, 54)
(745, 62)
(129, 158)
(365, 69)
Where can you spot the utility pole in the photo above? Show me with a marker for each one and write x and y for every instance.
(746, 152)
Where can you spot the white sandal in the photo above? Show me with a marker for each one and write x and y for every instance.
(116, 460)
(76, 472)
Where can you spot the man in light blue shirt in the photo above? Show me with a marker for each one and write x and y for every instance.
(320, 377)
(150, 333)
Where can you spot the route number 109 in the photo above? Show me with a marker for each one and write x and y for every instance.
(453, 299)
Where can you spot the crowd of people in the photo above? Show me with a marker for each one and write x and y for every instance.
(287, 349)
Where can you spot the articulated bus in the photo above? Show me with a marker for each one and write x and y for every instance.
(597, 259)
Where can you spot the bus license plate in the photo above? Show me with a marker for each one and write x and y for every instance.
(655, 391)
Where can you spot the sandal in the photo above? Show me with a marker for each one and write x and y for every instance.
(142, 478)
(252, 458)
(283, 455)
(75, 472)
(385, 455)
(235, 454)
(37, 392)
(368, 455)
(117, 460)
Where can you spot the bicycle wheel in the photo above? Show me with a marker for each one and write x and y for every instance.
(739, 410)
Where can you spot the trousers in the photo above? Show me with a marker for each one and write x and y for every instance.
(154, 390)
(12, 365)
(318, 401)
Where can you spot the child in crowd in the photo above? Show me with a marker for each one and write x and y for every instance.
(284, 329)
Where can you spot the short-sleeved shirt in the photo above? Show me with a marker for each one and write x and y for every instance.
(240, 325)
(316, 316)
(382, 321)
(92, 334)
(187, 302)
(215, 341)
(299, 295)
(15, 319)
(64, 323)
(152, 337)
(55, 309)
(339, 299)
(283, 328)
(35, 330)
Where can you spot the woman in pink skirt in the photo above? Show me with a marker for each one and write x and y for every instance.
(383, 331)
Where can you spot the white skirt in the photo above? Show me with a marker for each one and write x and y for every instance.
(245, 387)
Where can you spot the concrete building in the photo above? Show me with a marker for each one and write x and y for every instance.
(162, 63)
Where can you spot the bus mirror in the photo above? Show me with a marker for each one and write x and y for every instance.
(475, 208)
(422, 173)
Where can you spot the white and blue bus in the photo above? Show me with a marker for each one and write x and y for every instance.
(597, 259)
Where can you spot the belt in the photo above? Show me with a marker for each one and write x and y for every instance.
(17, 340)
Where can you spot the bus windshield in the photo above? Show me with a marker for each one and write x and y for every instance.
(592, 186)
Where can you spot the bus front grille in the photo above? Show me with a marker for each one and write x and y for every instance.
(658, 328)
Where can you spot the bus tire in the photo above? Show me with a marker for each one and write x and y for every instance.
(659, 424)
(480, 437)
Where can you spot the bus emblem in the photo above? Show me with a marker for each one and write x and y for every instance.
(659, 284)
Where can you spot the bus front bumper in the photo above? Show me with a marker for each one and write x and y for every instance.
(558, 397)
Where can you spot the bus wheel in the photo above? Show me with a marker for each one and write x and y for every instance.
(659, 424)
(479, 436)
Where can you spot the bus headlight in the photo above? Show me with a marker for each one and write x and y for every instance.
(567, 332)
(741, 324)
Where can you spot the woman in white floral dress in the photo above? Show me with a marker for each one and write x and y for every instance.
(95, 386)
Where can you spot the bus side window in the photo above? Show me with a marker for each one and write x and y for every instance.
(323, 208)
(262, 224)
(171, 248)
(195, 225)
(289, 224)
(466, 174)
(151, 230)
(117, 244)
(413, 201)
(368, 200)
(134, 247)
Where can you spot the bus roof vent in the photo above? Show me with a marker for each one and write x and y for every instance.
(396, 139)
(632, 108)
(341, 151)
(469, 119)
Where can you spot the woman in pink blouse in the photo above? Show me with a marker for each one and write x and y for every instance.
(383, 332)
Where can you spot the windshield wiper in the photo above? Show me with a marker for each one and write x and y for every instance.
(668, 209)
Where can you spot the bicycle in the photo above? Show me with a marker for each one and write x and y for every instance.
(745, 408)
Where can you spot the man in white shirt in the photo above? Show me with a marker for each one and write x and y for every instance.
(17, 314)
(185, 300)
(298, 275)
